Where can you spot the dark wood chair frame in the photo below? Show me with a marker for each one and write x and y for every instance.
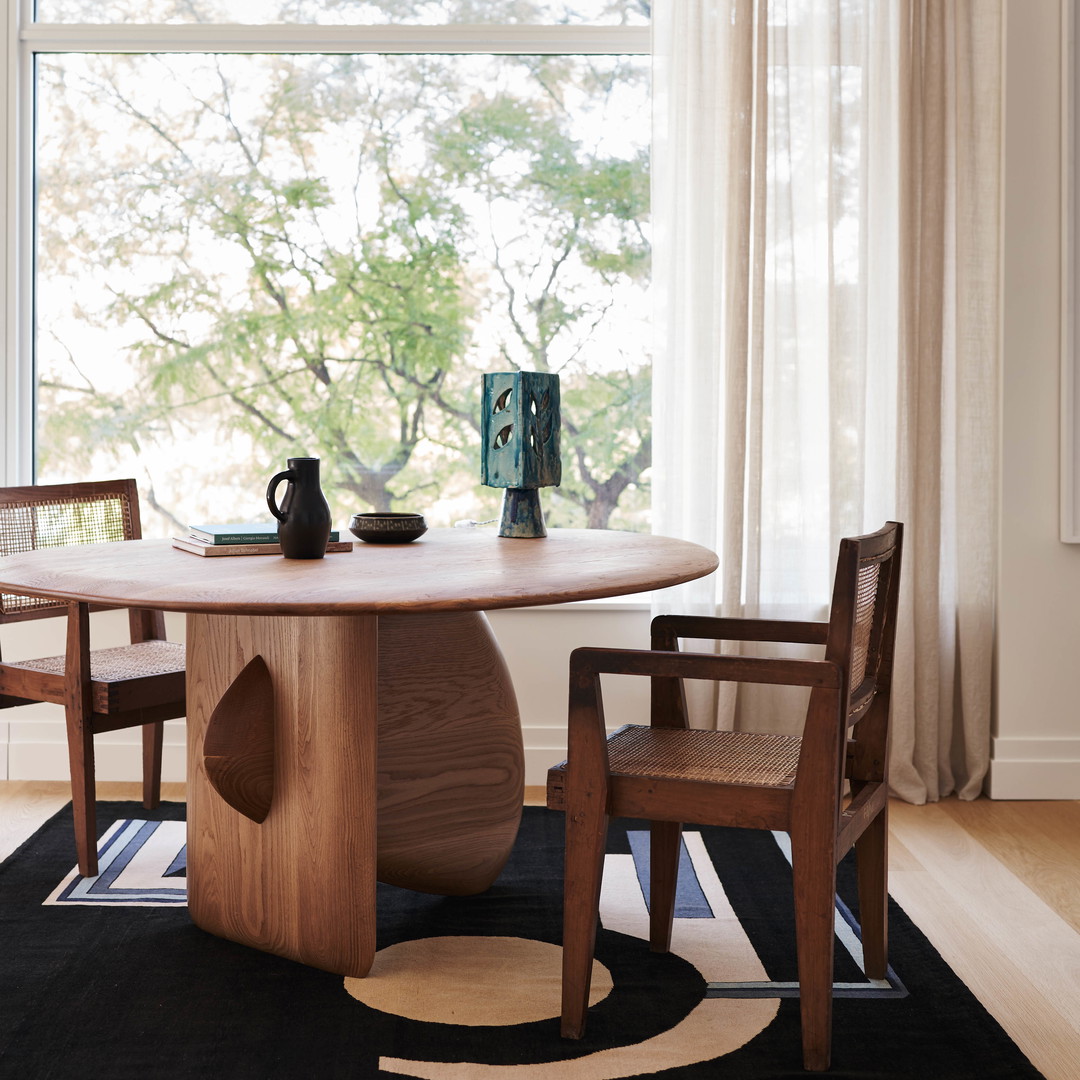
(843, 747)
(93, 705)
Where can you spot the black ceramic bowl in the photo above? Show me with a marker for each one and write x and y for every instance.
(387, 528)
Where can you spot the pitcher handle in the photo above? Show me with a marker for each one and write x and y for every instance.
(271, 492)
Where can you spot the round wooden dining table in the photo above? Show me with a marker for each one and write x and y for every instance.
(351, 718)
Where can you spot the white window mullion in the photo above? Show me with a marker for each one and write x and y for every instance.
(16, 271)
(225, 37)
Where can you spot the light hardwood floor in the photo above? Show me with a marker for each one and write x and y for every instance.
(995, 886)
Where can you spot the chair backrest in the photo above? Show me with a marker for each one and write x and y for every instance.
(862, 625)
(56, 515)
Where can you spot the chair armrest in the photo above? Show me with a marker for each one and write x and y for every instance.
(723, 629)
(587, 662)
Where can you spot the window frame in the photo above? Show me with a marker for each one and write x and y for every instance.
(1069, 451)
(23, 40)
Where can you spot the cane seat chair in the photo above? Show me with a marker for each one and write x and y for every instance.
(670, 774)
(136, 685)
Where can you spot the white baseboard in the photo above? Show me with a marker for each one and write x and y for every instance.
(37, 750)
(1034, 768)
(544, 747)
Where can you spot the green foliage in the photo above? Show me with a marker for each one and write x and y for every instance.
(325, 261)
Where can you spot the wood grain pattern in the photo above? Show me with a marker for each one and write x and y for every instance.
(445, 570)
(301, 884)
(450, 773)
(451, 763)
(1019, 955)
(449, 783)
(1038, 841)
(238, 748)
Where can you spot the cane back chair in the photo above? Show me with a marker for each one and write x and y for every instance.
(670, 774)
(141, 684)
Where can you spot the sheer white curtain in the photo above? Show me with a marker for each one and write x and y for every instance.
(825, 211)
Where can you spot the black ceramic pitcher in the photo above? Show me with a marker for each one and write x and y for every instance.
(303, 516)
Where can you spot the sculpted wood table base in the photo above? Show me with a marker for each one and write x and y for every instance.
(451, 761)
(301, 883)
(412, 716)
(349, 718)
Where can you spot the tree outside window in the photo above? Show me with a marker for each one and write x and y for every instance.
(242, 258)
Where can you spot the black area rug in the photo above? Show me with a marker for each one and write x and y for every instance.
(118, 992)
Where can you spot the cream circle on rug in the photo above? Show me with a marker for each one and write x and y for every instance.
(475, 981)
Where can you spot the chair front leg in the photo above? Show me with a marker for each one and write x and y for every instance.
(80, 741)
(79, 713)
(586, 838)
(815, 904)
(665, 843)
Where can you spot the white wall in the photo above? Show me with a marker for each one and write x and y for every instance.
(1036, 747)
(537, 645)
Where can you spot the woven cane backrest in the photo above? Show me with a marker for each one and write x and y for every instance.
(57, 516)
(866, 602)
(864, 613)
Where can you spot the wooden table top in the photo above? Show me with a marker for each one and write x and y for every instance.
(445, 570)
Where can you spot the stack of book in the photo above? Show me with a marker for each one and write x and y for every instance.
(247, 539)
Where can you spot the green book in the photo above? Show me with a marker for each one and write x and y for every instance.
(250, 533)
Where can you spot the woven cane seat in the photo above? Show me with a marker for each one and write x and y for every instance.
(137, 661)
(718, 757)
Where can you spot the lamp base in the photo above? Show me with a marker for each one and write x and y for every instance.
(522, 517)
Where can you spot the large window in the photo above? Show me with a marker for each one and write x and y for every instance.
(256, 242)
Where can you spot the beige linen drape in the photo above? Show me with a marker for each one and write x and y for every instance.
(826, 185)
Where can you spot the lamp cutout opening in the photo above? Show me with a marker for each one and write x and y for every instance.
(520, 431)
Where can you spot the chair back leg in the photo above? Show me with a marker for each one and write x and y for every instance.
(872, 855)
(152, 738)
(665, 841)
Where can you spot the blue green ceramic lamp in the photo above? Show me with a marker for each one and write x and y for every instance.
(520, 433)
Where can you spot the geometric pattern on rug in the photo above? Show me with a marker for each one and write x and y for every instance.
(690, 903)
(706, 932)
(196, 1005)
(143, 864)
(696, 1030)
(847, 931)
(140, 864)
